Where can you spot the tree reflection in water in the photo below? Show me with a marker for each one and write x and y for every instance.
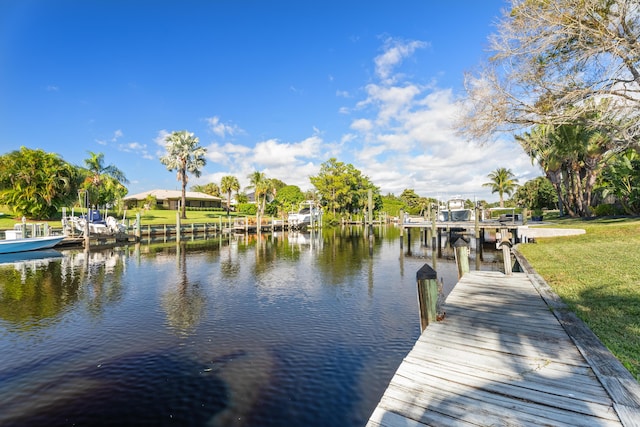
(184, 302)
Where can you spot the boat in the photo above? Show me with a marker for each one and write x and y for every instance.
(96, 223)
(308, 215)
(25, 244)
(454, 210)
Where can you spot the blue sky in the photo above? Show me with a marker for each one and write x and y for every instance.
(274, 86)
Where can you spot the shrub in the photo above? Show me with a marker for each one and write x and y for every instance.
(605, 209)
(247, 208)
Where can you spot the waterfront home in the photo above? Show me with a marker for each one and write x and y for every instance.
(170, 199)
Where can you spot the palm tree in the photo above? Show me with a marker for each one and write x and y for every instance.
(99, 174)
(210, 188)
(502, 181)
(229, 184)
(540, 147)
(183, 155)
(262, 186)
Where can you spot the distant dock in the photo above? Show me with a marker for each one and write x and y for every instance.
(508, 353)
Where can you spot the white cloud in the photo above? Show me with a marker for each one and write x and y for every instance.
(227, 154)
(395, 51)
(161, 137)
(404, 137)
(272, 153)
(401, 136)
(160, 142)
(222, 129)
(117, 135)
(136, 148)
(362, 125)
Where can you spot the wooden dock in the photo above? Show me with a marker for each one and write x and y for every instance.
(508, 353)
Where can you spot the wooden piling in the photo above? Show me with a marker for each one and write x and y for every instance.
(401, 221)
(87, 237)
(505, 244)
(427, 279)
(434, 227)
(370, 212)
(461, 253)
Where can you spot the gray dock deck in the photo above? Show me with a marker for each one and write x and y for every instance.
(501, 357)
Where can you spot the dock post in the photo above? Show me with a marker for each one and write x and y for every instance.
(478, 236)
(138, 227)
(401, 221)
(370, 213)
(177, 227)
(434, 227)
(461, 252)
(505, 244)
(87, 236)
(427, 279)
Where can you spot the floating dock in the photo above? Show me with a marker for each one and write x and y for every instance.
(508, 353)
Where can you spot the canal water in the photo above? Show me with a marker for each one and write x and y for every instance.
(279, 329)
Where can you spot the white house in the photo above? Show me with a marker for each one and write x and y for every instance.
(170, 199)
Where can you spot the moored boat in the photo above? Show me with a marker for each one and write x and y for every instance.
(308, 214)
(95, 222)
(454, 210)
(20, 244)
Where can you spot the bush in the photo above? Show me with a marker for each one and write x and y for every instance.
(330, 220)
(606, 210)
(247, 208)
(205, 209)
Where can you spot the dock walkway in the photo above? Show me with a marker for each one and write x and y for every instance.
(508, 353)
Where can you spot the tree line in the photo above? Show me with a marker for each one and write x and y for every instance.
(35, 184)
(563, 77)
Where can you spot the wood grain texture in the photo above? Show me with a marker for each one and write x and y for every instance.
(501, 357)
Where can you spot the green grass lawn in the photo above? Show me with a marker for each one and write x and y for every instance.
(598, 276)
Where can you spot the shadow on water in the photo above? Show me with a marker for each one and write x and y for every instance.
(152, 389)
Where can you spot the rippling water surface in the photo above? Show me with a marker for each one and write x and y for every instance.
(270, 330)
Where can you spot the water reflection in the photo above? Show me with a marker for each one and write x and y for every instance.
(272, 330)
(184, 301)
(31, 292)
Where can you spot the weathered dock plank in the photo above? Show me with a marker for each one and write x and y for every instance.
(502, 358)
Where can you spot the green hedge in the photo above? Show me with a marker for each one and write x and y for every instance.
(190, 208)
(247, 208)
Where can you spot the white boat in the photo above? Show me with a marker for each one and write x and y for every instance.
(308, 214)
(97, 225)
(20, 244)
(454, 210)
